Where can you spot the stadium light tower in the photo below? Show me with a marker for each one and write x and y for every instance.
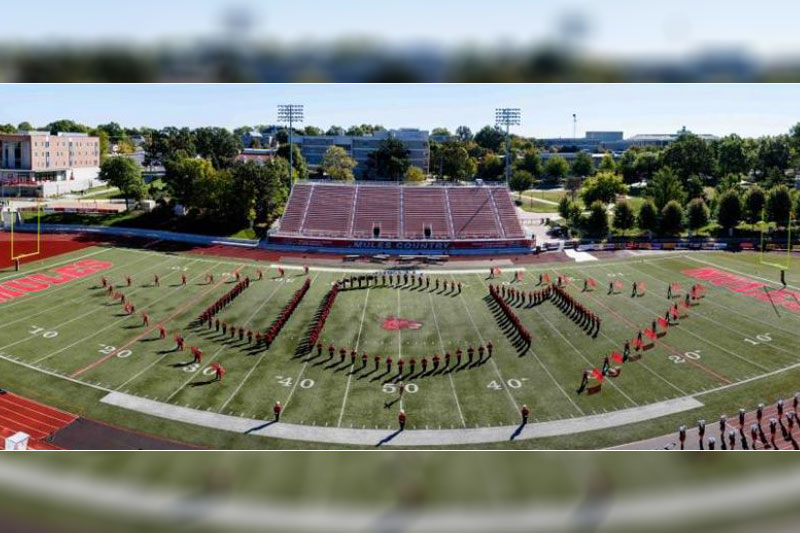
(507, 116)
(290, 113)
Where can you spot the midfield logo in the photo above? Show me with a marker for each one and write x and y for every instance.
(391, 323)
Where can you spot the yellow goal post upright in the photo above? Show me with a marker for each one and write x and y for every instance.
(778, 261)
(15, 257)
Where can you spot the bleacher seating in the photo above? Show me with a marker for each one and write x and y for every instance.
(507, 213)
(329, 210)
(473, 213)
(425, 206)
(401, 212)
(377, 206)
(292, 220)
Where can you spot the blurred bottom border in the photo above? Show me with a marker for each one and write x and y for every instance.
(399, 491)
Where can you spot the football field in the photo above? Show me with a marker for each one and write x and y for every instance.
(735, 347)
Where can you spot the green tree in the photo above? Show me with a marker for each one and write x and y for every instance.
(218, 145)
(607, 164)
(672, 218)
(754, 202)
(490, 167)
(664, 187)
(732, 156)
(183, 178)
(729, 210)
(299, 165)
(564, 205)
(531, 162)
(454, 162)
(414, 174)
(521, 180)
(8, 128)
(114, 131)
(582, 165)
(25, 126)
(65, 125)
(491, 138)
(646, 165)
(627, 165)
(464, 133)
(773, 155)
(103, 142)
(779, 206)
(389, 161)
(124, 174)
(556, 168)
(170, 143)
(597, 221)
(337, 164)
(697, 214)
(689, 155)
(258, 191)
(572, 184)
(647, 218)
(312, 131)
(603, 187)
(624, 219)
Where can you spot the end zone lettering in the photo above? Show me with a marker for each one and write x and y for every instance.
(786, 298)
(41, 281)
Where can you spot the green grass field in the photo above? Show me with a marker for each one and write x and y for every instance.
(53, 342)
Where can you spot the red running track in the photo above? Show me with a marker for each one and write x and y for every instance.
(36, 419)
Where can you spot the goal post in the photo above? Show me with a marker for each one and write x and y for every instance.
(16, 257)
(778, 259)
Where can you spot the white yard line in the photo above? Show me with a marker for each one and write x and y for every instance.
(258, 361)
(698, 314)
(221, 348)
(350, 375)
(514, 404)
(399, 338)
(753, 276)
(73, 319)
(47, 293)
(704, 340)
(441, 348)
(96, 332)
(550, 375)
(59, 263)
(558, 332)
(51, 373)
(722, 290)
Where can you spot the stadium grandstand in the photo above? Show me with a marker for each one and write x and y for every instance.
(456, 220)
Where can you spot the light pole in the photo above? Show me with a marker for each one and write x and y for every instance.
(290, 113)
(507, 116)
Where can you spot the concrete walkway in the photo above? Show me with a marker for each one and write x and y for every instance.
(409, 437)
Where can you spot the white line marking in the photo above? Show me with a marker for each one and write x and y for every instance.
(350, 375)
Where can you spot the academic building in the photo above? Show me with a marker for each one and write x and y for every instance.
(63, 162)
(313, 147)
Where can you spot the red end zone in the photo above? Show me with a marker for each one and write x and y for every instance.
(51, 246)
(785, 298)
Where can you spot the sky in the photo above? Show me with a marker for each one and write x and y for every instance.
(620, 27)
(720, 109)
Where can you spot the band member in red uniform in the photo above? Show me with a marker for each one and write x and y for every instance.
(145, 319)
(128, 281)
(524, 412)
(276, 410)
(162, 332)
(401, 419)
(183, 279)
